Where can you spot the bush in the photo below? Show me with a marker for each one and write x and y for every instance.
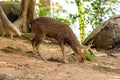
(89, 57)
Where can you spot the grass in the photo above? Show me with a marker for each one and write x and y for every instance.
(89, 57)
(18, 48)
(44, 46)
(29, 78)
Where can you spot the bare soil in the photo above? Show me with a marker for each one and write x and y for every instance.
(18, 63)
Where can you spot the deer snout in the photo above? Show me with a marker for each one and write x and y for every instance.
(80, 58)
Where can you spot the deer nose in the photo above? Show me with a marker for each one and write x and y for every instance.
(82, 60)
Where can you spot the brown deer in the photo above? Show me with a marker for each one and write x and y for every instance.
(47, 27)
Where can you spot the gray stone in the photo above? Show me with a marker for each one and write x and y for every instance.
(106, 35)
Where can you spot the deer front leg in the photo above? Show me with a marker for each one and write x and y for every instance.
(39, 40)
(38, 52)
(63, 53)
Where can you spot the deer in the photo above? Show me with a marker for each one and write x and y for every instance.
(43, 27)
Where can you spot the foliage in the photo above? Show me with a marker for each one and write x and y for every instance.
(42, 10)
(57, 10)
(92, 12)
(97, 12)
(89, 57)
(15, 0)
(66, 21)
(81, 17)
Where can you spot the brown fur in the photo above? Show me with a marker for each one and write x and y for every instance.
(47, 27)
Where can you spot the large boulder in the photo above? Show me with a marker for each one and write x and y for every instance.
(106, 35)
(11, 9)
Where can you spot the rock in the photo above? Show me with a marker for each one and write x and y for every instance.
(106, 35)
(11, 9)
(105, 38)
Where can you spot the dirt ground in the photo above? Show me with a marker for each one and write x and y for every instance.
(18, 63)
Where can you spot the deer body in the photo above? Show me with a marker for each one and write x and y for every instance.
(47, 27)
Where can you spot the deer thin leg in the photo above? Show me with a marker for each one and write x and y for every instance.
(63, 53)
(33, 44)
(37, 47)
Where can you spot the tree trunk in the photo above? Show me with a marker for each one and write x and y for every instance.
(25, 17)
(22, 20)
(31, 13)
